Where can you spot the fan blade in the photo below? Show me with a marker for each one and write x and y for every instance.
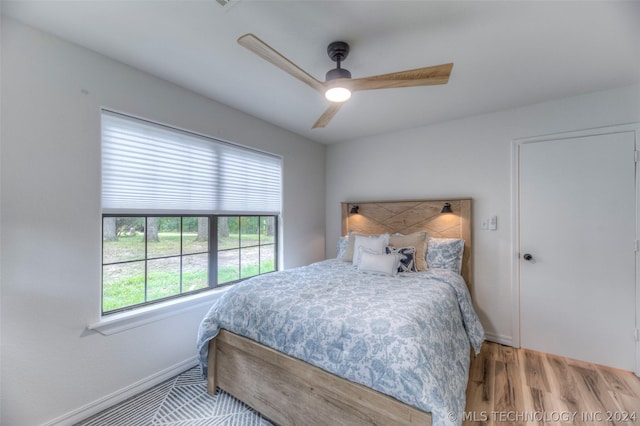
(327, 115)
(268, 53)
(438, 74)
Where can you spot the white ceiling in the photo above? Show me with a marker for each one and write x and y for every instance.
(505, 53)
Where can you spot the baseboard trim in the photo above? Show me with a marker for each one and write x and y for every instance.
(127, 392)
(503, 340)
(121, 395)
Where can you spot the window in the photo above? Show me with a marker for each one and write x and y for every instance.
(246, 246)
(182, 213)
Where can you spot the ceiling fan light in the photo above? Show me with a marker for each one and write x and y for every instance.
(337, 80)
(337, 94)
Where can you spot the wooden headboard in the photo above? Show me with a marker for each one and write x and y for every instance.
(406, 217)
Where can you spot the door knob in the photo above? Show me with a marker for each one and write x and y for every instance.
(527, 256)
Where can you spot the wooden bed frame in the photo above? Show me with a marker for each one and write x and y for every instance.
(288, 391)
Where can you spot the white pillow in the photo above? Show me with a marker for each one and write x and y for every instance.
(376, 244)
(350, 252)
(386, 264)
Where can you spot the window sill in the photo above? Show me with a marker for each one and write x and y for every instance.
(118, 323)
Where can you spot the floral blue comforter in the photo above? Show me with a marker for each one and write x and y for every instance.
(407, 336)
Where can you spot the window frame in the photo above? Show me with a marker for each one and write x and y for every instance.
(211, 178)
(213, 253)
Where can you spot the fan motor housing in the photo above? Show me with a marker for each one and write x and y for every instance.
(337, 73)
(338, 51)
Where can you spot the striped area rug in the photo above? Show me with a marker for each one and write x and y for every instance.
(181, 401)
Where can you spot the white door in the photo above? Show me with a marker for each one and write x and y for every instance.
(577, 220)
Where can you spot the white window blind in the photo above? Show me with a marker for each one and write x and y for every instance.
(148, 168)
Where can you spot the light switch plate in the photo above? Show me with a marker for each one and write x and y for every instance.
(493, 222)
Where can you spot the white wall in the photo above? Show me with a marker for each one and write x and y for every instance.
(52, 92)
(50, 208)
(468, 157)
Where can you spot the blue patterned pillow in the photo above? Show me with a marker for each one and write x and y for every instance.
(341, 247)
(445, 253)
(407, 258)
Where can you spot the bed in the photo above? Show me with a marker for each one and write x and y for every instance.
(336, 343)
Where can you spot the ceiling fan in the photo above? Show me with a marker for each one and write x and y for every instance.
(339, 85)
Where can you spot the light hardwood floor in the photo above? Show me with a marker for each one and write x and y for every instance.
(521, 387)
